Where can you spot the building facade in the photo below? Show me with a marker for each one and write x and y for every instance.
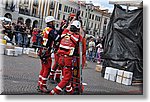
(33, 13)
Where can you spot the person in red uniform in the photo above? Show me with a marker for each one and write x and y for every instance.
(56, 70)
(49, 37)
(68, 49)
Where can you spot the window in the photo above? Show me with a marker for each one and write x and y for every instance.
(60, 6)
(95, 26)
(63, 17)
(35, 3)
(26, 1)
(86, 15)
(69, 9)
(50, 13)
(93, 17)
(90, 16)
(58, 17)
(57, 25)
(92, 25)
(52, 5)
(105, 21)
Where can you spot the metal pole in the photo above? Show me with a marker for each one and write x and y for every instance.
(80, 47)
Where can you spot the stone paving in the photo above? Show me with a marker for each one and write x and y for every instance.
(20, 76)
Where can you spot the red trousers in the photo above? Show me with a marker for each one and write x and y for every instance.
(46, 67)
(55, 67)
(66, 64)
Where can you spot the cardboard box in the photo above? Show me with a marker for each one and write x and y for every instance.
(127, 78)
(124, 77)
(120, 76)
(110, 73)
(33, 54)
(98, 68)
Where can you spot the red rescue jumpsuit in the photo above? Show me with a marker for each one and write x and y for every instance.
(49, 35)
(68, 44)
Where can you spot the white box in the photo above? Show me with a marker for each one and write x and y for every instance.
(2, 49)
(19, 50)
(110, 73)
(120, 76)
(107, 73)
(30, 50)
(11, 52)
(127, 78)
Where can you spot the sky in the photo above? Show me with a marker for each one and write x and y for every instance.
(104, 4)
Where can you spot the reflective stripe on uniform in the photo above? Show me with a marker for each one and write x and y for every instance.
(58, 88)
(44, 78)
(68, 86)
(76, 39)
(69, 90)
(65, 47)
(57, 37)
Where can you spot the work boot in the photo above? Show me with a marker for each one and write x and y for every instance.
(43, 89)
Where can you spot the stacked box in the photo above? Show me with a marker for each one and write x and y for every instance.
(27, 50)
(33, 54)
(127, 79)
(19, 50)
(11, 52)
(110, 73)
(2, 48)
(124, 77)
(120, 76)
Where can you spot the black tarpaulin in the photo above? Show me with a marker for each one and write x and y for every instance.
(123, 41)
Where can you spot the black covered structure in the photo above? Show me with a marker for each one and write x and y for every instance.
(123, 42)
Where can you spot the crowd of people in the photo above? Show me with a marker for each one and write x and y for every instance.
(21, 34)
(94, 50)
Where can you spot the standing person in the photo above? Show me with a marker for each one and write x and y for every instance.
(20, 31)
(29, 35)
(99, 50)
(68, 50)
(34, 33)
(91, 48)
(49, 36)
(56, 67)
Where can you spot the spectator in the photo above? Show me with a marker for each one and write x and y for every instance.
(29, 35)
(99, 50)
(19, 30)
(34, 39)
(91, 47)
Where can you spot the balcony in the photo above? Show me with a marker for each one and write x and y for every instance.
(10, 7)
(24, 11)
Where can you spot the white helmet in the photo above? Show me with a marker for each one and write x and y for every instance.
(76, 23)
(49, 19)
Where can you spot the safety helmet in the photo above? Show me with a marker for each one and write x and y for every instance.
(76, 23)
(49, 19)
(72, 15)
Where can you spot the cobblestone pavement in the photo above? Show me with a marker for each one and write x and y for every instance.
(20, 76)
